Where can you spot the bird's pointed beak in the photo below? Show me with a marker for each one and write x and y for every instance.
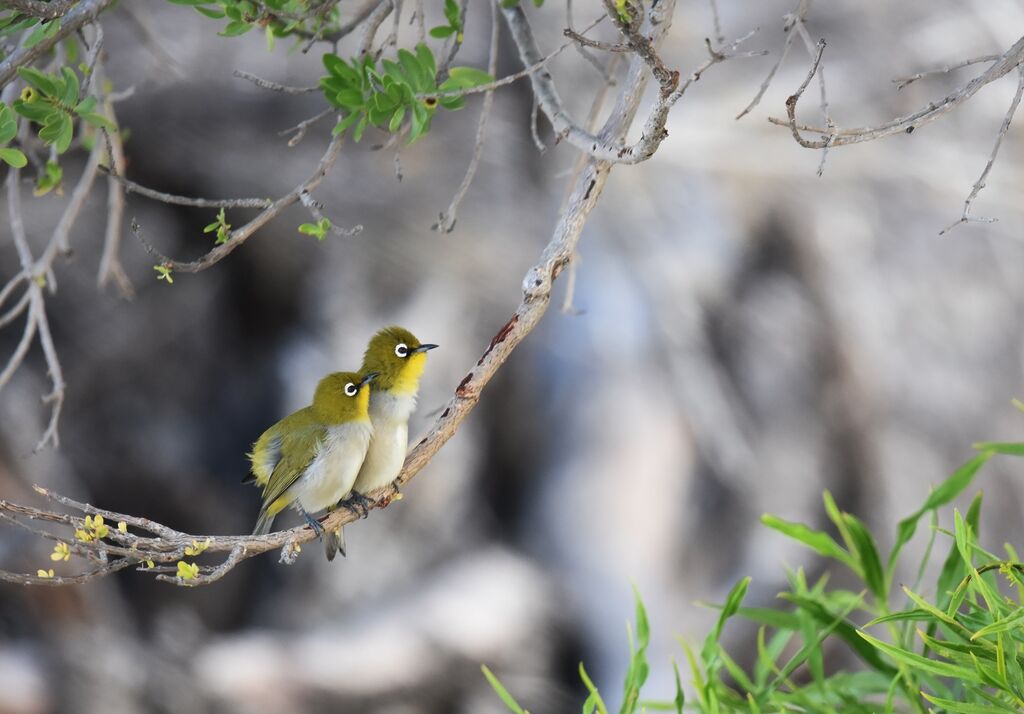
(369, 377)
(424, 348)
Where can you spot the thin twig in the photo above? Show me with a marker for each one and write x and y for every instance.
(273, 86)
(717, 22)
(239, 235)
(966, 216)
(300, 129)
(796, 16)
(110, 261)
(133, 187)
(316, 210)
(446, 221)
(1008, 61)
(902, 82)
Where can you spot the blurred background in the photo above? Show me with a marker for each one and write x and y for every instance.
(743, 335)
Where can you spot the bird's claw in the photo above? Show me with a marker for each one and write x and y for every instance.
(358, 504)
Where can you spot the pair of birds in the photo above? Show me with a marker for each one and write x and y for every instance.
(352, 440)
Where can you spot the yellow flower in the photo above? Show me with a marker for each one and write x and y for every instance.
(28, 94)
(83, 536)
(187, 571)
(122, 526)
(150, 564)
(45, 573)
(97, 526)
(61, 551)
(196, 548)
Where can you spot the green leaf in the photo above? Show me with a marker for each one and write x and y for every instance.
(396, 120)
(502, 693)
(357, 133)
(235, 28)
(843, 629)
(13, 157)
(33, 111)
(818, 541)
(594, 700)
(350, 99)
(210, 12)
(442, 31)
(420, 122)
(8, 124)
(960, 707)
(946, 492)
(43, 32)
(69, 97)
(41, 81)
(1007, 448)
(954, 568)
(470, 76)
(916, 661)
(345, 123)
(427, 62)
(867, 554)
(680, 699)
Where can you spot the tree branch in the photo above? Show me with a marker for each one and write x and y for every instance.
(83, 13)
(160, 544)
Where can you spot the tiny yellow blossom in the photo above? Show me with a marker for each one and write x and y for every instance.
(398, 496)
(83, 536)
(196, 548)
(187, 571)
(45, 573)
(61, 551)
(122, 526)
(150, 564)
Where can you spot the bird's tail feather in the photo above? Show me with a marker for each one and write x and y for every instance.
(334, 543)
(264, 523)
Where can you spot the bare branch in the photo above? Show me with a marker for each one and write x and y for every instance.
(446, 221)
(302, 127)
(316, 209)
(902, 82)
(273, 86)
(48, 10)
(133, 187)
(791, 19)
(966, 217)
(110, 261)
(716, 19)
(83, 13)
(1008, 61)
(239, 235)
(672, 89)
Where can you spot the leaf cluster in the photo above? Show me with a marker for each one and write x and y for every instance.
(53, 102)
(385, 96)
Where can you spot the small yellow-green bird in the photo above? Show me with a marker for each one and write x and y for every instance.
(398, 359)
(310, 459)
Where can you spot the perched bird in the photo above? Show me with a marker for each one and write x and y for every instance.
(398, 358)
(310, 459)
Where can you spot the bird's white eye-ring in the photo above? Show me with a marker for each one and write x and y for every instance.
(351, 389)
(402, 349)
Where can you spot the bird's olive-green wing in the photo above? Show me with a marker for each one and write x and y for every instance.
(266, 451)
(298, 447)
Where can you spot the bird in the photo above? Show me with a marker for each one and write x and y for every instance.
(398, 359)
(310, 459)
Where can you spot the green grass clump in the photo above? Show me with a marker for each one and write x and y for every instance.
(952, 646)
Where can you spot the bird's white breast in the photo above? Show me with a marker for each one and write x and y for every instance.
(384, 459)
(333, 470)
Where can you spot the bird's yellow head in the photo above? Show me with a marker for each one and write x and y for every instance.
(343, 397)
(399, 358)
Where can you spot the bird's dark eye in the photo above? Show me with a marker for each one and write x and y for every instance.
(402, 349)
(351, 389)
